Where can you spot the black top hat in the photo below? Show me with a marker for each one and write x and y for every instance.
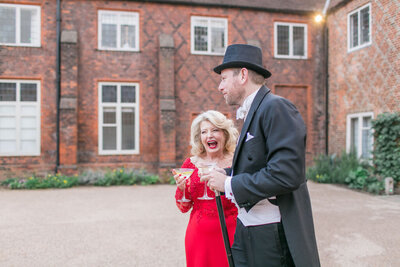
(243, 56)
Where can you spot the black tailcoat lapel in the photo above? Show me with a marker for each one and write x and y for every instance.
(254, 106)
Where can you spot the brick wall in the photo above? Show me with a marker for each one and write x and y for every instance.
(195, 84)
(365, 80)
(35, 63)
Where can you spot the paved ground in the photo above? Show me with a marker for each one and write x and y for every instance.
(140, 226)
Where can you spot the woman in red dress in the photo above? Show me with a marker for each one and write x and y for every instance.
(213, 140)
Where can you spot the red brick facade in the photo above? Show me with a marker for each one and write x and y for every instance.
(367, 79)
(174, 84)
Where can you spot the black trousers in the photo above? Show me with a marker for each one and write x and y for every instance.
(261, 246)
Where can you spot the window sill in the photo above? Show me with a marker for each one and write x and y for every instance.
(353, 49)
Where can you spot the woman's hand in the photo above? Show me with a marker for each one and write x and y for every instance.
(180, 181)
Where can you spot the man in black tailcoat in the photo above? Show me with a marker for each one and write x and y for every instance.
(267, 178)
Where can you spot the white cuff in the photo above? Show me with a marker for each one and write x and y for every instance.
(228, 190)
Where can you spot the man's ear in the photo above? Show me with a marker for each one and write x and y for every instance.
(243, 75)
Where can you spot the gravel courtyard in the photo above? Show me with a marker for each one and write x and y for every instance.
(140, 226)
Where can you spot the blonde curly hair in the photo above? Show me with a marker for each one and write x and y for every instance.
(220, 121)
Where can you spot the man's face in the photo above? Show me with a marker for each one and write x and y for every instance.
(230, 87)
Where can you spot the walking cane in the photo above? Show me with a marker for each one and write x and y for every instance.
(224, 229)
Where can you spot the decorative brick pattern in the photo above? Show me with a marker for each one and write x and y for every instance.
(367, 79)
(194, 84)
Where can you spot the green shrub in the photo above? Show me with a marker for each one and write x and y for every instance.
(332, 169)
(89, 177)
(98, 178)
(375, 186)
(357, 179)
(346, 169)
(126, 177)
(387, 145)
(362, 179)
(13, 183)
(34, 182)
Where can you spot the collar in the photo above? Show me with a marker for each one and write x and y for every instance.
(242, 111)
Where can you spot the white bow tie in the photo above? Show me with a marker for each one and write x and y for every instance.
(241, 113)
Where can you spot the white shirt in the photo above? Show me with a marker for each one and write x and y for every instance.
(263, 212)
(242, 111)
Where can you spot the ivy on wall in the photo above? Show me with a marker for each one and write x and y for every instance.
(387, 145)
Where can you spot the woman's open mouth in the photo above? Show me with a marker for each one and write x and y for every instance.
(212, 144)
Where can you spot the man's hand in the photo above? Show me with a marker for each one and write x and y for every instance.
(215, 179)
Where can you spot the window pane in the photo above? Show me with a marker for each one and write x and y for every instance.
(109, 138)
(354, 30)
(109, 115)
(8, 92)
(7, 110)
(35, 27)
(8, 25)
(27, 110)
(8, 122)
(109, 93)
(367, 122)
(128, 18)
(127, 36)
(26, 26)
(28, 92)
(109, 18)
(218, 39)
(28, 146)
(354, 136)
(366, 143)
(200, 38)
(28, 134)
(366, 138)
(364, 15)
(283, 40)
(128, 94)
(109, 35)
(28, 122)
(128, 128)
(7, 133)
(8, 146)
(298, 41)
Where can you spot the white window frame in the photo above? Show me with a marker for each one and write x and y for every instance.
(290, 25)
(360, 117)
(118, 105)
(37, 29)
(210, 20)
(119, 14)
(349, 32)
(18, 114)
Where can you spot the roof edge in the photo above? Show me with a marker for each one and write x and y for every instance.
(337, 6)
(230, 5)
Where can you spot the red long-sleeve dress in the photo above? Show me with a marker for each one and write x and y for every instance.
(204, 243)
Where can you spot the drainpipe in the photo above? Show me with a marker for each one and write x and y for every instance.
(325, 38)
(58, 84)
(326, 58)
